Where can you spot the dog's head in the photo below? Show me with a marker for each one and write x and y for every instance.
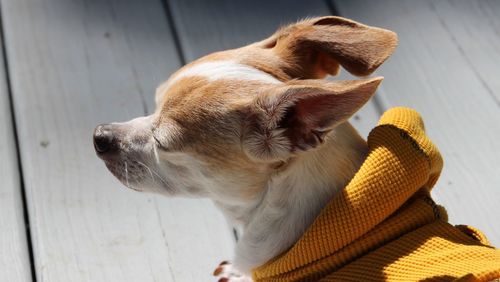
(224, 123)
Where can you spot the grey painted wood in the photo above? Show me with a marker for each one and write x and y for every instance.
(75, 64)
(208, 26)
(446, 67)
(476, 31)
(14, 256)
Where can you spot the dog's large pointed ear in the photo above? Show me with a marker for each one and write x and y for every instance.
(315, 47)
(297, 115)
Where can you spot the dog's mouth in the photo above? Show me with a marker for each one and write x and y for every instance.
(136, 174)
(128, 172)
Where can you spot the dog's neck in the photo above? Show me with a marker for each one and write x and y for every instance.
(295, 196)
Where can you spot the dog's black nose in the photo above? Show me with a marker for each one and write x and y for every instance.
(103, 139)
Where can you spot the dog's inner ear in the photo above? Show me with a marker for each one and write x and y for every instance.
(297, 116)
(317, 47)
(314, 112)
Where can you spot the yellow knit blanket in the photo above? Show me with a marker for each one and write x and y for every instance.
(384, 226)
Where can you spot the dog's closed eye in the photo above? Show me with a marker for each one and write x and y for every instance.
(159, 144)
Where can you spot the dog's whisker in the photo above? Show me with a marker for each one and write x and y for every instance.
(161, 178)
(155, 152)
(126, 174)
(151, 172)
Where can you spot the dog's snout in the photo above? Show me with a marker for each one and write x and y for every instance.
(104, 141)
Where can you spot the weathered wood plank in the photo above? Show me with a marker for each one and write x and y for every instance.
(446, 67)
(75, 64)
(474, 26)
(208, 26)
(14, 256)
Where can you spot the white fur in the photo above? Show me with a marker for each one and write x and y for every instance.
(225, 70)
(216, 70)
(296, 195)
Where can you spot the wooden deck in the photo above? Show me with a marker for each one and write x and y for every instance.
(71, 64)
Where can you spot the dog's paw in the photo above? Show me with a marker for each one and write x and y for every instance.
(227, 273)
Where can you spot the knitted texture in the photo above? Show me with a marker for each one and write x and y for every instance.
(384, 225)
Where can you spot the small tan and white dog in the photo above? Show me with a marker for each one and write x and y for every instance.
(256, 131)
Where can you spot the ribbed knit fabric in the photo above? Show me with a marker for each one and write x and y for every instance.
(384, 226)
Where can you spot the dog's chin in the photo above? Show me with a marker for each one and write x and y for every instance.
(125, 172)
(139, 177)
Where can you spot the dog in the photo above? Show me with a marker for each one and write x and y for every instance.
(251, 127)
